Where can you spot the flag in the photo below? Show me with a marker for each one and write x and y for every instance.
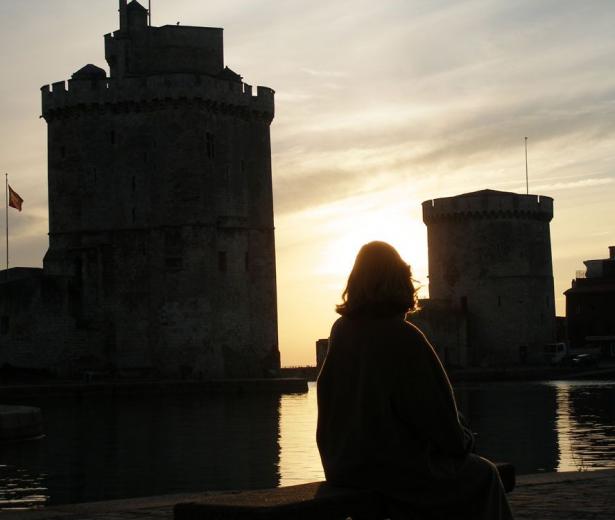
(15, 201)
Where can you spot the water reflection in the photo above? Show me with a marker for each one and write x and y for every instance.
(299, 458)
(585, 425)
(103, 448)
(539, 427)
(551, 426)
(97, 449)
(514, 422)
(21, 489)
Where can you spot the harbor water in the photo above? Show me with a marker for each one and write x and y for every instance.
(101, 448)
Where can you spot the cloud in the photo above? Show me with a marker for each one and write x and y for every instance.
(574, 185)
(324, 73)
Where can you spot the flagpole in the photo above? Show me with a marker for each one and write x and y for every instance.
(527, 183)
(6, 191)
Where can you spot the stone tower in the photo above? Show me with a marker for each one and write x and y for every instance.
(160, 205)
(490, 256)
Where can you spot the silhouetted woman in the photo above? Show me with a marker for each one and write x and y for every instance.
(387, 418)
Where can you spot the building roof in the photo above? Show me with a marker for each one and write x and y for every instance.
(589, 286)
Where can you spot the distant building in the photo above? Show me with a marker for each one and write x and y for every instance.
(561, 330)
(490, 278)
(590, 306)
(161, 242)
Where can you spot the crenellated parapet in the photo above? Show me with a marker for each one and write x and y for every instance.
(75, 96)
(488, 204)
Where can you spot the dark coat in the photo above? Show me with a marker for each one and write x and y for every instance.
(387, 420)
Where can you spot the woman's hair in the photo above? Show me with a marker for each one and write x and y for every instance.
(380, 284)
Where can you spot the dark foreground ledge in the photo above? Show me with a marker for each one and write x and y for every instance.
(156, 387)
(546, 496)
(316, 500)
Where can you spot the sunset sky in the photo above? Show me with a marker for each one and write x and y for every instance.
(379, 106)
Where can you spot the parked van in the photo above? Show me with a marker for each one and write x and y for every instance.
(555, 352)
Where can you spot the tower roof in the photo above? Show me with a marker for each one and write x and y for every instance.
(134, 5)
(486, 193)
(90, 71)
(229, 75)
(489, 204)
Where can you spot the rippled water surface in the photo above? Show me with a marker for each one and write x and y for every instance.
(104, 448)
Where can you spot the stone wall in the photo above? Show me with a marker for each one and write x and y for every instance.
(42, 325)
(446, 327)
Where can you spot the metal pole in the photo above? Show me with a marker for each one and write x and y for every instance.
(6, 190)
(527, 183)
(149, 12)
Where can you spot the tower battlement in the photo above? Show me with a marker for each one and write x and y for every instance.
(489, 204)
(97, 93)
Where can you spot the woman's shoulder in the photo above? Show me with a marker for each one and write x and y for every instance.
(406, 341)
(413, 331)
(338, 325)
(393, 339)
(391, 327)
